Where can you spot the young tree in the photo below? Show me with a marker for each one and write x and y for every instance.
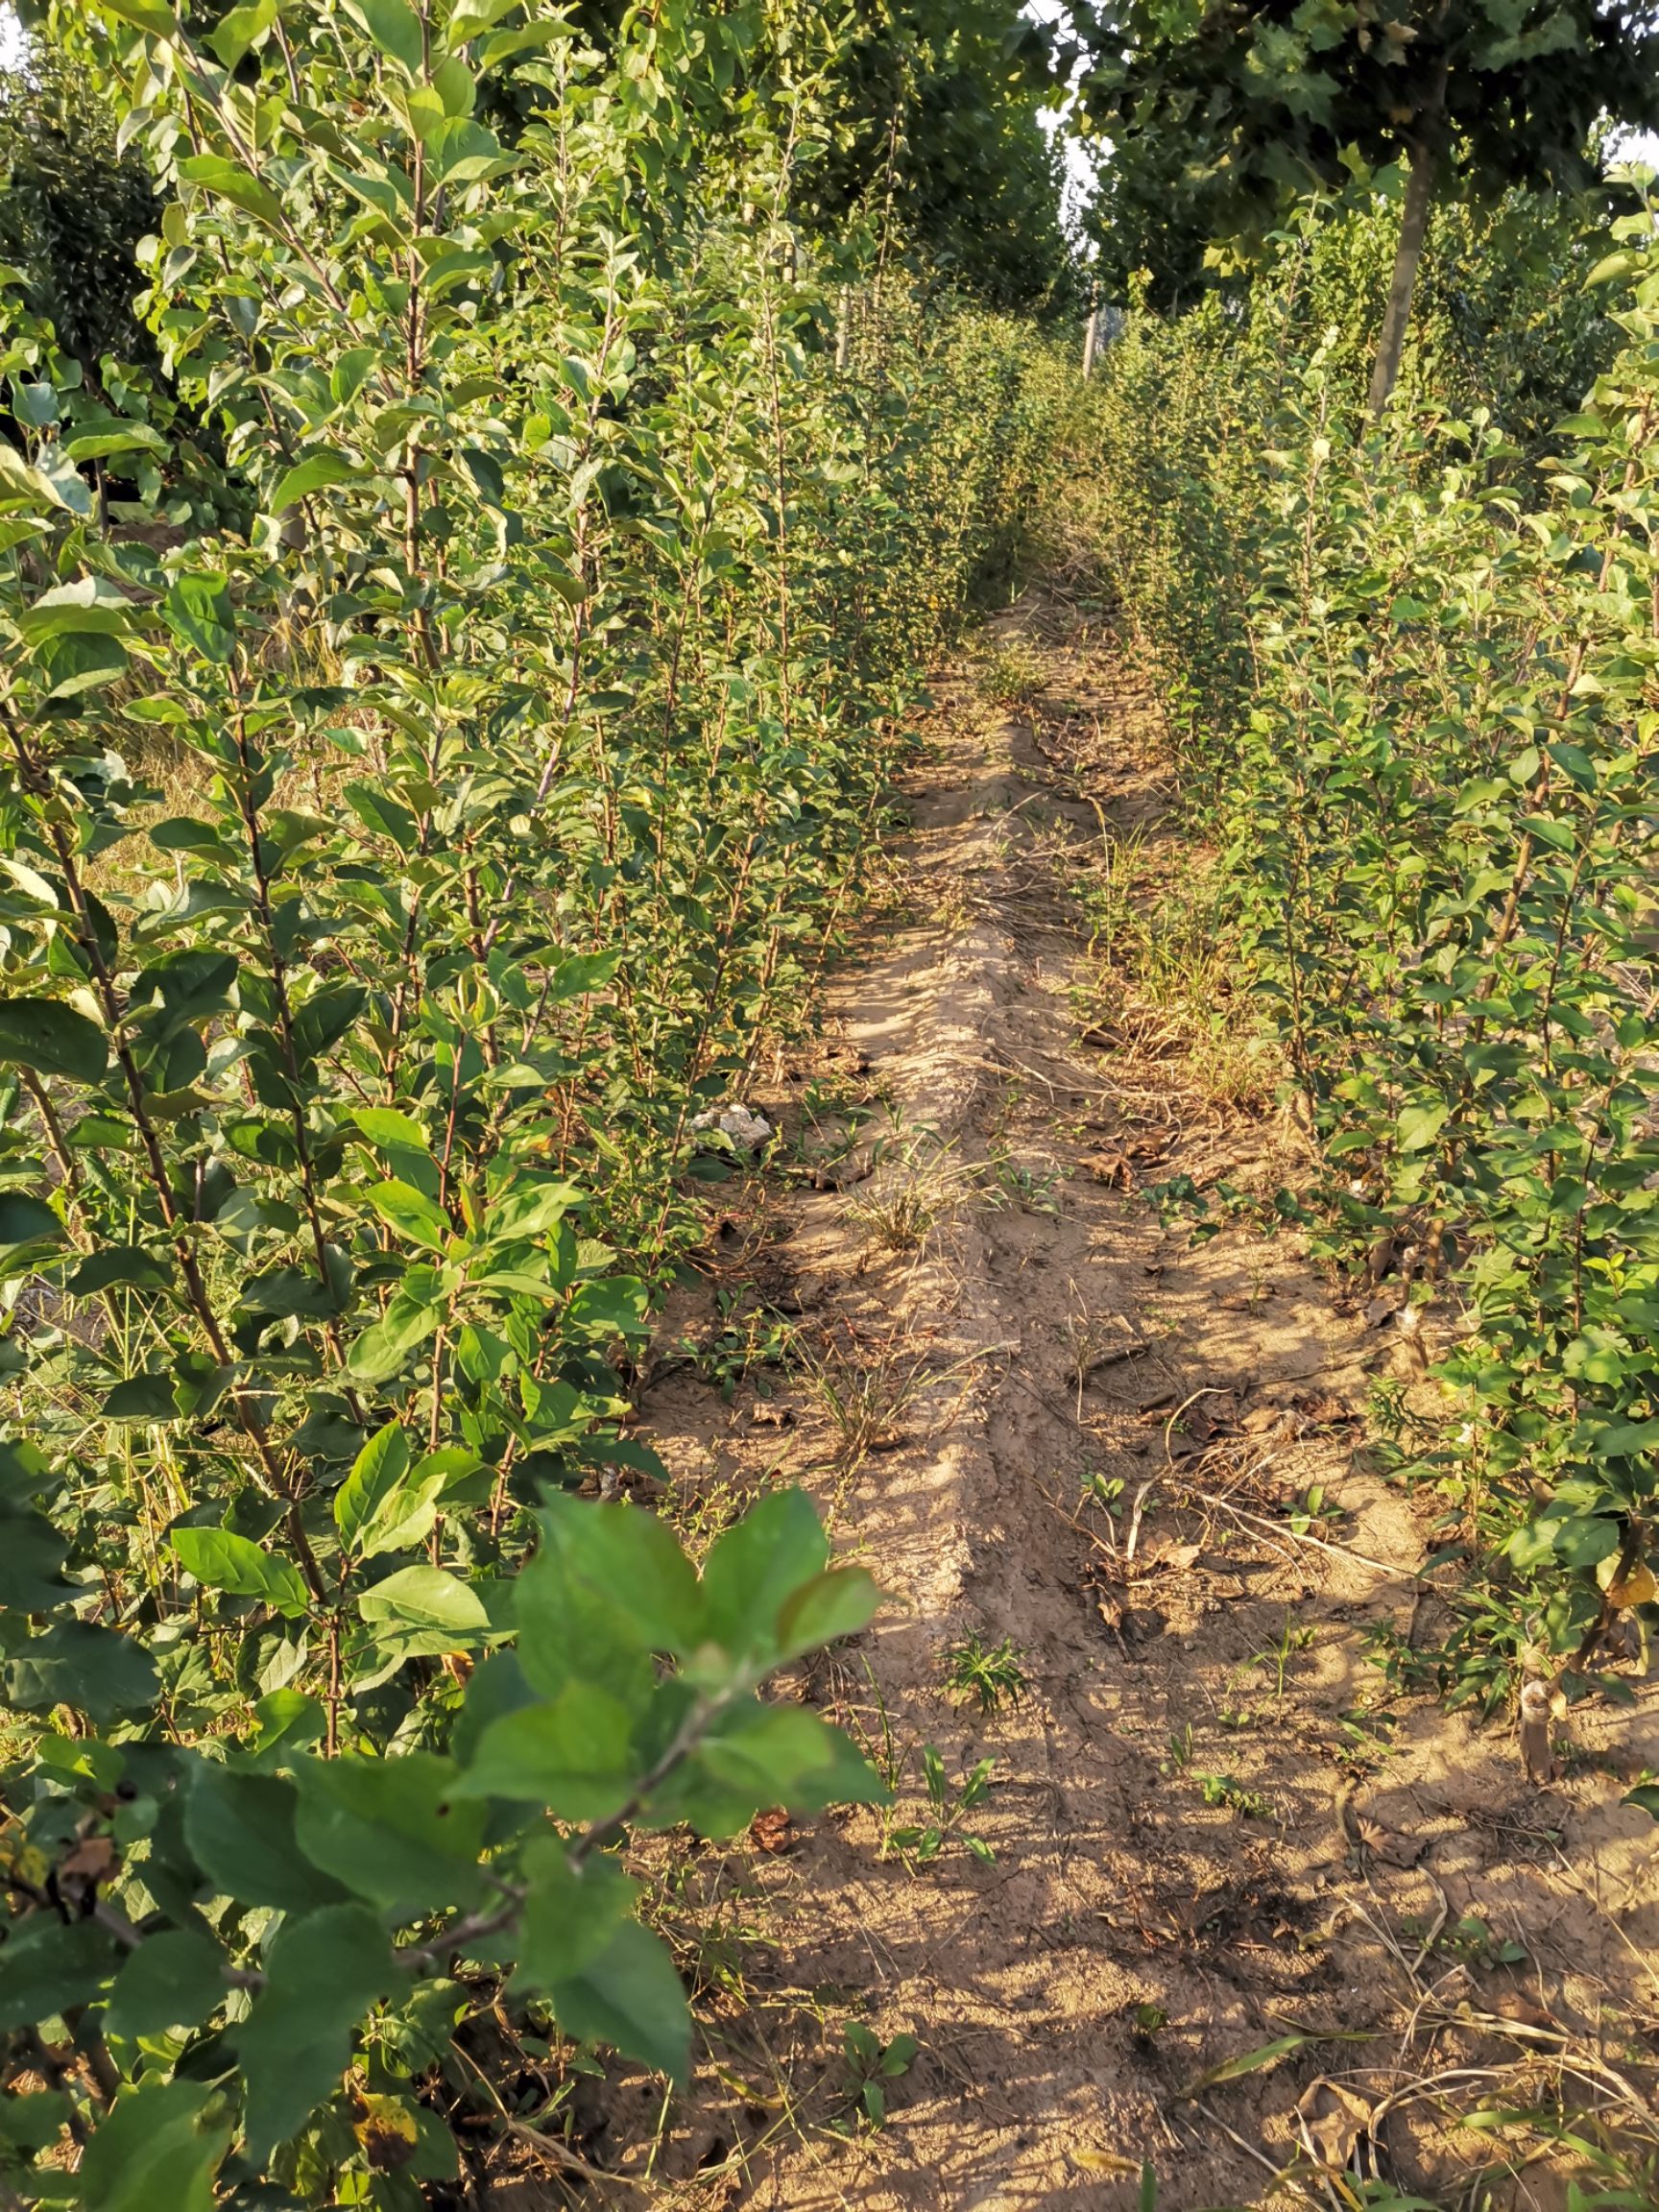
(1219, 116)
(73, 205)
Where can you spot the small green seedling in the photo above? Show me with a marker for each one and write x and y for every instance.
(990, 1674)
(1105, 1490)
(920, 1846)
(1182, 1745)
(1248, 1804)
(1314, 1509)
(871, 2064)
(1028, 1189)
(1277, 1657)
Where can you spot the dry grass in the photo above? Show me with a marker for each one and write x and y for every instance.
(916, 1184)
(1159, 982)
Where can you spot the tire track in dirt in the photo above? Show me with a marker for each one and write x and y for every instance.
(1038, 1414)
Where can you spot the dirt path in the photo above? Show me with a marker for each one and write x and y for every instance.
(1047, 1418)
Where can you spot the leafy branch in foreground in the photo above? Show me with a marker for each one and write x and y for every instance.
(206, 1942)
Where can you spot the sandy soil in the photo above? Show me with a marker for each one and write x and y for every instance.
(1042, 1414)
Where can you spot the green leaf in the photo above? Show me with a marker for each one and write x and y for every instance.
(424, 1597)
(391, 1130)
(141, 1398)
(574, 1756)
(149, 15)
(323, 1974)
(396, 30)
(32, 1564)
(287, 1721)
(1250, 2062)
(1645, 1797)
(529, 1210)
(831, 1606)
(174, 1979)
(56, 475)
(757, 1568)
(241, 1831)
(411, 1214)
(383, 1349)
(100, 437)
(81, 1664)
(34, 2122)
(197, 609)
(80, 664)
(47, 1964)
(376, 1474)
(1418, 1126)
(222, 1561)
(189, 984)
(119, 1266)
(51, 1039)
(1626, 1440)
(227, 181)
(571, 1914)
(157, 2149)
(383, 815)
(240, 29)
(630, 1997)
(154, 16)
(630, 1559)
(470, 16)
(391, 1830)
(26, 1225)
(1610, 266)
(784, 1755)
(315, 473)
(1584, 1543)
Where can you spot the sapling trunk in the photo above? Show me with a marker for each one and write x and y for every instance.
(1413, 230)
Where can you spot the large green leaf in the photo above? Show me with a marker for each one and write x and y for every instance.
(222, 1561)
(26, 1225)
(384, 1349)
(199, 611)
(394, 1831)
(52, 1039)
(242, 27)
(47, 1964)
(32, 1555)
(630, 1997)
(831, 1606)
(174, 1979)
(317, 472)
(573, 1756)
(763, 1755)
(411, 1214)
(227, 181)
(629, 1557)
(571, 1913)
(241, 1828)
(157, 2149)
(395, 28)
(423, 1597)
(376, 1474)
(94, 1670)
(323, 1974)
(758, 1568)
(150, 15)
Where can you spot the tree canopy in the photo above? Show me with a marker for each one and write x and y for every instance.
(1219, 114)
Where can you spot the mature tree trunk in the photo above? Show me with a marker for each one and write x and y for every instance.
(1413, 228)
